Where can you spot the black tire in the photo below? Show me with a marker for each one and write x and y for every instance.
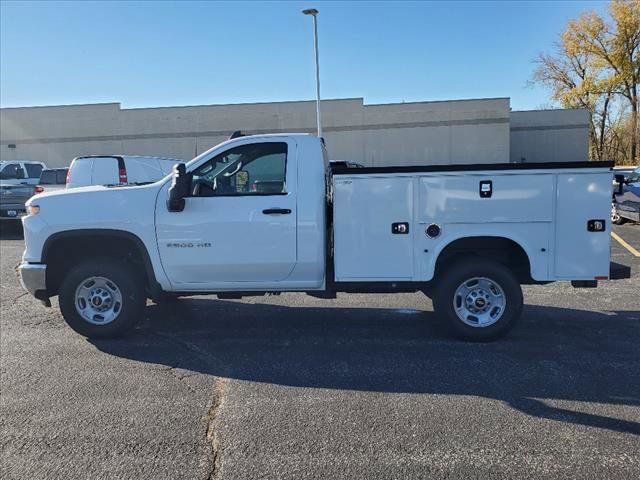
(466, 269)
(125, 278)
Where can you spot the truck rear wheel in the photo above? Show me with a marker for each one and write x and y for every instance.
(480, 299)
(101, 298)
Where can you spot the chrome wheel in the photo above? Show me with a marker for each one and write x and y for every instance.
(479, 302)
(98, 300)
(615, 216)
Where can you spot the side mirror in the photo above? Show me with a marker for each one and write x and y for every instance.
(620, 181)
(179, 189)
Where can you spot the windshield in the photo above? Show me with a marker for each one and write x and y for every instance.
(204, 154)
(210, 170)
(634, 177)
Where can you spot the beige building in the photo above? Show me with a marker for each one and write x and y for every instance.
(443, 132)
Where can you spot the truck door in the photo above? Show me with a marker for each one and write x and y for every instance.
(238, 227)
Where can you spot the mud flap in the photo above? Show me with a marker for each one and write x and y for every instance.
(617, 271)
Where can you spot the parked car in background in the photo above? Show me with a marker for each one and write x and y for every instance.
(16, 172)
(17, 183)
(117, 170)
(13, 198)
(626, 198)
(52, 179)
(625, 170)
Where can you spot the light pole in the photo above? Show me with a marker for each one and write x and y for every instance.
(314, 13)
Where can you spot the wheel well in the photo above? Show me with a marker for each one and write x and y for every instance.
(500, 249)
(65, 250)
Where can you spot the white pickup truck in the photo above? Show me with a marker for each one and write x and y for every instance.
(268, 214)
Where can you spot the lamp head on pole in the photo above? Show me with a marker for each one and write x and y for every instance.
(310, 11)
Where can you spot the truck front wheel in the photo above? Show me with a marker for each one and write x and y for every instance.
(480, 299)
(101, 298)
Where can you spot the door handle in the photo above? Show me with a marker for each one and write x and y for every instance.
(273, 211)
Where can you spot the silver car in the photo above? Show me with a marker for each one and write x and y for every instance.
(18, 179)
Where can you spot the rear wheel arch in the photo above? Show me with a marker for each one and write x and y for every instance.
(62, 250)
(504, 250)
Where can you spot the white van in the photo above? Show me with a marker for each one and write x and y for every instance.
(117, 169)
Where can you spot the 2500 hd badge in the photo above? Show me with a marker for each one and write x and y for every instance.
(188, 245)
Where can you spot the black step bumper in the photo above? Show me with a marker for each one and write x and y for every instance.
(617, 271)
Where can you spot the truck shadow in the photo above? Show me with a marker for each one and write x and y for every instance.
(554, 355)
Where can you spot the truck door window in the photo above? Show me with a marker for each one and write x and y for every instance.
(253, 169)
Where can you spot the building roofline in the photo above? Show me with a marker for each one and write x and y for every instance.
(437, 101)
(246, 103)
(361, 99)
(63, 105)
(551, 110)
(324, 100)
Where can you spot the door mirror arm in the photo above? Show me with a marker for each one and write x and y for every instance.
(179, 189)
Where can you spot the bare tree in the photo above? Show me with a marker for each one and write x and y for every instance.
(594, 63)
(574, 83)
(615, 50)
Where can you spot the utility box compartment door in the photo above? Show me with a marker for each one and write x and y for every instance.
(581, 197)
(486, 198)
(373, 228)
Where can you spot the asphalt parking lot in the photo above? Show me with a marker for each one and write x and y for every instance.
(365, 386)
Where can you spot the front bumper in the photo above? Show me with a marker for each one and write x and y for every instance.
(633, 216)
(33, 278)
(629, 210)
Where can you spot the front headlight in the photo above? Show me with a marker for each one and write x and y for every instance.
(33, 209)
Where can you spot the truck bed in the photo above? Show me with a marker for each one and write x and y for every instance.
(548, 209)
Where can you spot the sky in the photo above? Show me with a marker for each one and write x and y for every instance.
(148, 54)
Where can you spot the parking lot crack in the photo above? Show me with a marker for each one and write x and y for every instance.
(218, 396)
(220, 389)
